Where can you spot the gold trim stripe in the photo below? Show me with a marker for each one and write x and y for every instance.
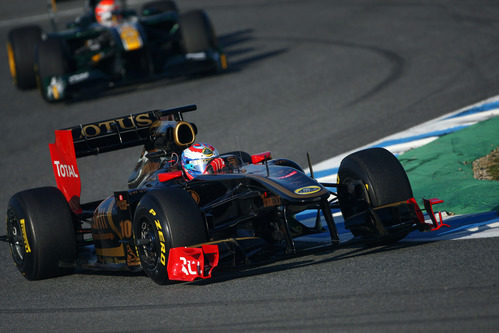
(111, 252)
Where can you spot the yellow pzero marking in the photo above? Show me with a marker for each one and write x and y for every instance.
(25, 236)
(12, 61)
(151, 211)
(223, 61)
(367, 186)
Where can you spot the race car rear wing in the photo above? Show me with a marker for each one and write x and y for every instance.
(109, 135)
(121, 132)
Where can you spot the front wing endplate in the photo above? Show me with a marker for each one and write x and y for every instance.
(190, 263)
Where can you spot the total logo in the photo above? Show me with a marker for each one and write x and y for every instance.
(64, 170)
(187, 266)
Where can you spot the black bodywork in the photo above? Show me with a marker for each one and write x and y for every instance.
(250, 208)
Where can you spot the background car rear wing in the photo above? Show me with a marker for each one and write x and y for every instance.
(122, 132)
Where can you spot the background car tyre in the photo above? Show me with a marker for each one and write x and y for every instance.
(21, 44)
(197, 32)
(373, 177)
(157, 7)
(165, 219)
(51, 60)
(41, 233)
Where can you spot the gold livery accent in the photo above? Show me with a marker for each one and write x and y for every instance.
(308, 190)
(184, 134)
(27, 248)
(106, 236)
(131, 257)
(195, 196)
(110, 252)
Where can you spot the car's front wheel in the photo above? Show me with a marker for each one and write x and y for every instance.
(370, 179)
(165, 219)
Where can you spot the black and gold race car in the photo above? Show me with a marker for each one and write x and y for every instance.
(88, 57)
(248, 211)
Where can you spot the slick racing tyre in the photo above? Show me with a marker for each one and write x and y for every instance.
(165, 219)
(158, 7)
(21, 44)
(41, 233)
(197, 32)
(51, 61)
(372, 178)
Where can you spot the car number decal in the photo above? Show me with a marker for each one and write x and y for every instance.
(130, 38)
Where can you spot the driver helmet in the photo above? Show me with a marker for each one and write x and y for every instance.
(195, 159)
(104, 12)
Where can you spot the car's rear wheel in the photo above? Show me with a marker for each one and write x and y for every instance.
(197, 32)
(21, 44)
(370, 179)
(41, 233)
(165, 219)
(51, 61)
(158, 7)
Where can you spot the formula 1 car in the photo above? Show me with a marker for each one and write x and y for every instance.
(89, 57)
(247, 210)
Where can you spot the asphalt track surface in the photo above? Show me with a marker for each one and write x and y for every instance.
(317, 76)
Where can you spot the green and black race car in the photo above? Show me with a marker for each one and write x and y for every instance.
(88, 57)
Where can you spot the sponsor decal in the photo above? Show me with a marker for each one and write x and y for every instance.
(130, 122)
(196, 56)
(78, 77)
(308, 190)
(187, 266)
(64, 170)
(288, 175)
(271, 201)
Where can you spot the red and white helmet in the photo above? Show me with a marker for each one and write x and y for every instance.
(195, 159)
(104, 12)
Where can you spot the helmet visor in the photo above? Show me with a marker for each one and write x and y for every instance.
(196, 166)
